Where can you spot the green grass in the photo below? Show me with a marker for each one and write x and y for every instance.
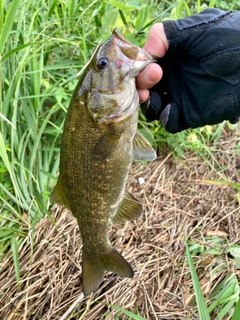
(226, 294)
(201, 304)
(43, 45)
(37, 81)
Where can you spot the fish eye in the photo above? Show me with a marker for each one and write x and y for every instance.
(102, 62)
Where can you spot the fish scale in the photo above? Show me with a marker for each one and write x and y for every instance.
(99, 142)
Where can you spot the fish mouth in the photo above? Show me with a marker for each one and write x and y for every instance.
(139, 57)
(126, 61)
(132, 51)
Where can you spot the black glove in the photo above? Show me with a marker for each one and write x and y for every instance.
(201, 72)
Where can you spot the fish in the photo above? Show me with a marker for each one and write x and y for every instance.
(99, 142)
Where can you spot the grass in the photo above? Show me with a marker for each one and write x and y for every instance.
(201, 304)
(227, 292)
(41, 52)
(43, 45)
(38, 78)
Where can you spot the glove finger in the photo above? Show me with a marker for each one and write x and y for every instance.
(152, 107)
(172, 120)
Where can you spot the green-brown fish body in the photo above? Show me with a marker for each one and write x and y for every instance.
(99, 141)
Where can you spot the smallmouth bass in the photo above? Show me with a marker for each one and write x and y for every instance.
(99, 142)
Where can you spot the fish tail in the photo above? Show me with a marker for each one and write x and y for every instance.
(95, 265)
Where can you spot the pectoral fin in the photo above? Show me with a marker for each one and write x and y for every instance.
(106, 145)
(58, 195)
(142, 150)
(129, 209)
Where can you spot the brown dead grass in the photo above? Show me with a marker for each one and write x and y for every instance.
(178, 199)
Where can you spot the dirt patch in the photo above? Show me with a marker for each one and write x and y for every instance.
(190, 197)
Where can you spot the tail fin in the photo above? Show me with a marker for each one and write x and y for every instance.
(94, 267)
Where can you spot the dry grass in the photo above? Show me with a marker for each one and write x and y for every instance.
(178, 200)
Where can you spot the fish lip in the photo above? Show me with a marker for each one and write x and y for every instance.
(123, 43)
(132, 55)
(117, 34)
(139, 65)
(143, 55)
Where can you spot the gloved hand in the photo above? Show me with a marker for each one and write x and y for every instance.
(201, 72)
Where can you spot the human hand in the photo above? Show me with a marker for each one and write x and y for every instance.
(200, 83)
(157, 46)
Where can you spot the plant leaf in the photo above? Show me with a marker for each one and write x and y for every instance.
(10, 16)
(236, 311)
(202, 307)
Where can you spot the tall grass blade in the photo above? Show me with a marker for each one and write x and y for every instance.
(201, 304)
(10, 17)
(126, 312)
(14, 247)
(236, 314)
(227, 295)
(3, 153)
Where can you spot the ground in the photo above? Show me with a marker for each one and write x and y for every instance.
(186, 197)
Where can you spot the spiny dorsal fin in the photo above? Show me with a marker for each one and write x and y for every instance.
(128, 209)
(58, 195)
(142, 150)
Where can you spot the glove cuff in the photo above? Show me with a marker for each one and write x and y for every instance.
(199, 21)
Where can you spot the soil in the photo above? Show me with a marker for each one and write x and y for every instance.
(191, 198)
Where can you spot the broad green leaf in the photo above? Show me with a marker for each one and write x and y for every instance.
(121, 6)
(235, 251)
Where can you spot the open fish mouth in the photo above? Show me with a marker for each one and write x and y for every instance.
(138, 57)
(130, 50)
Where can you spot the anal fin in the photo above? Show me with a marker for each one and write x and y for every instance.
(128, 209)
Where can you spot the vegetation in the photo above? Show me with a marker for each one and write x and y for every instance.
(43, 45)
